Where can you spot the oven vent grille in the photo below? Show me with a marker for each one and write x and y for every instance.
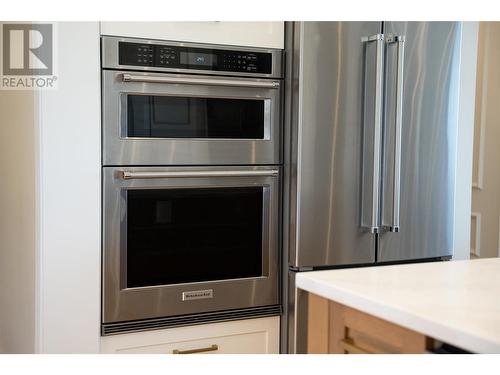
(184, 320)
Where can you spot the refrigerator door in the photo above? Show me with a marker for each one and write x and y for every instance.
(334, 153)
(419, 177)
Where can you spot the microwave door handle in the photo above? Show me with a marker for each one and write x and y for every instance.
(129, 175)
(233, 82)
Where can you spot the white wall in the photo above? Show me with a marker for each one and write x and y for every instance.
(17, 222)
(486, 176)
(463, 187)
(70, 201)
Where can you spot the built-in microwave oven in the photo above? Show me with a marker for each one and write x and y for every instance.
(168, 103)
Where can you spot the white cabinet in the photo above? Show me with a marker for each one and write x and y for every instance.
(252, 34)
(50, 163)
(250, 336)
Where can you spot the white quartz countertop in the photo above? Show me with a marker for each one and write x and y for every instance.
(457, 302)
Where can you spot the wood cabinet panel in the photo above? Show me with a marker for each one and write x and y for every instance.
(336, 328)
(370, 334)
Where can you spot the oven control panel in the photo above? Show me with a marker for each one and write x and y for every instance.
(180, 57)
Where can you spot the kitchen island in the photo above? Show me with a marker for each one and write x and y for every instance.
(404, 308)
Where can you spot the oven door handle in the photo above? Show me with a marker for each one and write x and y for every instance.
(128, 175)
(233, 82)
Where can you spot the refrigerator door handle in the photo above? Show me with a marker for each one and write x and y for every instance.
(374, 225)
(396, 200)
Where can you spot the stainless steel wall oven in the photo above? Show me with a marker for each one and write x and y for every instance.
(191, 183)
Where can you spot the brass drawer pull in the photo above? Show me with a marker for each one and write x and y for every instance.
(211, 348)
(349, 347)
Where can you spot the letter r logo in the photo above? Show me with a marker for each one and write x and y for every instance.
(27, 49)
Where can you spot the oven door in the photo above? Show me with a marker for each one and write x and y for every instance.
(160, 119)
(189, 240)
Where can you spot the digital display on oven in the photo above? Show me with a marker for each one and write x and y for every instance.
(181, 57)
(194, 58)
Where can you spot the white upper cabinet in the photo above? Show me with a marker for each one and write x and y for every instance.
(252, 34)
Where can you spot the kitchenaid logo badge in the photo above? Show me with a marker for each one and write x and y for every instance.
(197, 294)
(27, 56)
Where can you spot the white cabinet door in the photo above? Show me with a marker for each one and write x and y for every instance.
(252, 34)
(251, 336)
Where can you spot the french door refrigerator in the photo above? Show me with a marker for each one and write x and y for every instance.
(370, 159)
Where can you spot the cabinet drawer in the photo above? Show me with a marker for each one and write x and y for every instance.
(355, 332)
(251, 336)
(336, 328)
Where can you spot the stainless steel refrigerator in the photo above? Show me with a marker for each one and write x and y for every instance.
(371, 116)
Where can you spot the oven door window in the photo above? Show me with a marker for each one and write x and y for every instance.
(194, 117)
(193, 235)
